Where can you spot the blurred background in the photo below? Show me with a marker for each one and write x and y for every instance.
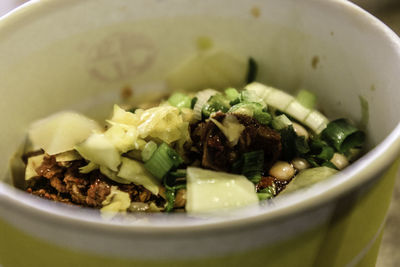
(389, 12)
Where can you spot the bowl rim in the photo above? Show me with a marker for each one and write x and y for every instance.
(363, 170)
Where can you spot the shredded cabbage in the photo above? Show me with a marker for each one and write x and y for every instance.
(98, 149)
(123, 137)
(88, 168)
(124, 117)
(135, 172)
(33, 163)
(163, 123)
(117, 201)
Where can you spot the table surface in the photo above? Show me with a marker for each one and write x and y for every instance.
(388, 254)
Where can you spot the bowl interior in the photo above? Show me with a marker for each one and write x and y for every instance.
(78, 55)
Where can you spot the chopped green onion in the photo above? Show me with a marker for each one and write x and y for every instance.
(251, 165)
(237, 166)
(231, 94)
(193, 102)
(312, 162)
(235, 101)
(288, 104)
(320, 153)
(175, 180)
(202, 98)
(180, 100)
(217, 102)
(281, 122)
(252, 70)
(301, 144)
(162, 161)
(306, 98)
(288, 139)
(317, 144)
(262, 117)
(264, 196)
(243, 108)
(266, 193)
(148, 150)
(170, 196)
(132, 110)
(252, 109)
(326, 153)
(178, 173)
(247, 96)
(329, 164)
(343, 136)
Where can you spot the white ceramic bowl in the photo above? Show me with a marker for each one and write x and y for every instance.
(71, 54)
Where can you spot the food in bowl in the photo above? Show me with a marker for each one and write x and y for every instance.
(196, 152)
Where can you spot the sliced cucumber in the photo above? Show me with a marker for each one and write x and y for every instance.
(209, 191)
(308, 177)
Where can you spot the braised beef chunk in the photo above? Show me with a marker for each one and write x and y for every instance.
(259, 137)
(214, 148)
(66, 184)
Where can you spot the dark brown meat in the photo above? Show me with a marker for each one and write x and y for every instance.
(64, 183)
(58, 184)
(216, 153)
(49, 168)
(257, 136)
(41, 187)
(97, 192)
(213, 146)
(137, 192)
(44, 194)
(76, 184)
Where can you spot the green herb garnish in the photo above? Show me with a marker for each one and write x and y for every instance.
(343, 136)
(162, 161)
